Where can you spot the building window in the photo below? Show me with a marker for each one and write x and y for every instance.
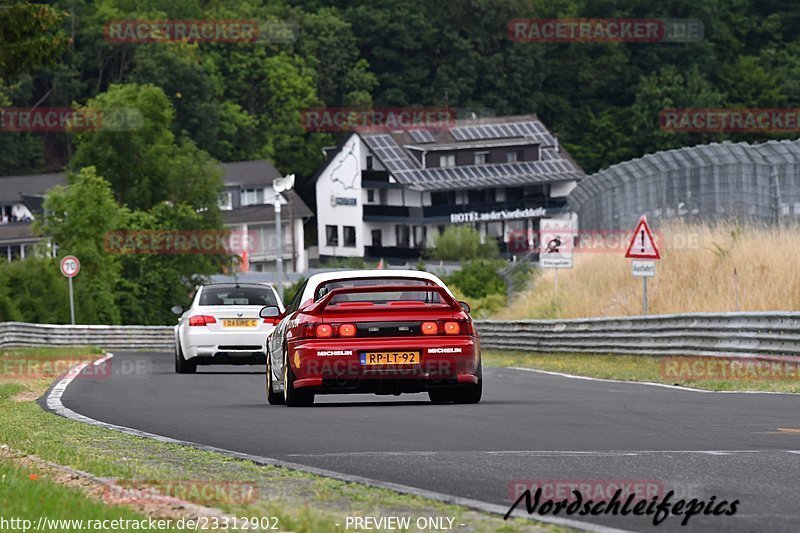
(377, 238)
(481, 158)
(447, 160)
(370, 195)
(332, 235)
(349, 234)
(226, 201)
(369, 162)
(403, 236)
(252, 196)
(513, 156)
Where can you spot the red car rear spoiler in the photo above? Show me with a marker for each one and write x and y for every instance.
(317, 307)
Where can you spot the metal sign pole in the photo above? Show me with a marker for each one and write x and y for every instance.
(644, 295)
(71, 303)
(279, 261)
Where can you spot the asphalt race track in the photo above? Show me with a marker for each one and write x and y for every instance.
(530, 426)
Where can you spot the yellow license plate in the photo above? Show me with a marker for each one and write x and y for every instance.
(239, 322)
(389, 358)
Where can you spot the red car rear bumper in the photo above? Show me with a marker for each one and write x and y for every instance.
(336, 365)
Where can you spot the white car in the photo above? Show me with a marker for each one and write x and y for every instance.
(222, 326)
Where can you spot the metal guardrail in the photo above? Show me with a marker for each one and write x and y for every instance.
(715, 334)
(109, 337)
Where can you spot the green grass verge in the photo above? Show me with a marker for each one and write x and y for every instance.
(687, 372)
(27, 497)
(302, 502)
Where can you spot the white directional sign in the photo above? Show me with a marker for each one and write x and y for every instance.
(642, 245)
(555, 243)
(644, 269)
(70, 266)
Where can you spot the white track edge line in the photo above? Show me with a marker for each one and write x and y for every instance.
(55, 405)
(650, 383)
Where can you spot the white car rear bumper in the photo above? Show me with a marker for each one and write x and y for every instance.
(209, 344)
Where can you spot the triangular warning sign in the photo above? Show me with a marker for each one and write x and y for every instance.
(642, 245)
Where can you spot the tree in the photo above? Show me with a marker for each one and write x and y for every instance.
(30, 38)
(81, 231)
(141, 157)
(194, 85)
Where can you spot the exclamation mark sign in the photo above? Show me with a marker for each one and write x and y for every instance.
(642, 241)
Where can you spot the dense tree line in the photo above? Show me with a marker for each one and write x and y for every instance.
(215, 101)
(243, 100)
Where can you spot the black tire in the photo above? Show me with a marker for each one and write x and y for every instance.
(182, 366)
(291, 396)
(440, 396)
(470, 393)
(273, 398)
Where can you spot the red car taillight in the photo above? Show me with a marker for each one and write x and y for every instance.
(429, 328)
(323, 330)
(202, 320)
(452, 328)
(347, 330)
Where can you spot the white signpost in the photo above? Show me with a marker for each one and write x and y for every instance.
(555, 244)
(70, 266)
(643, 250)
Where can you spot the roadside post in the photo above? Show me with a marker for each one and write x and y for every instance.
(555, 245)
(280, 185)
(70, 266)
(642, 249)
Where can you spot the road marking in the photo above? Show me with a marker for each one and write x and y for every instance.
(55, 405)
(542, 453)
(650, 383)
(103, 359)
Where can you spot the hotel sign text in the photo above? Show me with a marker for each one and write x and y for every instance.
(492, 216)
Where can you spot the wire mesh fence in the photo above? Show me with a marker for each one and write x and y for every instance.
(709, 183)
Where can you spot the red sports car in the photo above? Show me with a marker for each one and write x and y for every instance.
(373, 331)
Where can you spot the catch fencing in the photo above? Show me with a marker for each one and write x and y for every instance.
(714, 334)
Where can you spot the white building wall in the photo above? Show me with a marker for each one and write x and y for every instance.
(341, 179)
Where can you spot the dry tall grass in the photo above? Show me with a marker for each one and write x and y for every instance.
(719, 268)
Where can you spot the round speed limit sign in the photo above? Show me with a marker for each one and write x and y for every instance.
(70, 266)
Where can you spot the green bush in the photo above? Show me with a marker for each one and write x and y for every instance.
(36, 290)
(479, 278)
(291, 290)
(461, 243)
(485, 307)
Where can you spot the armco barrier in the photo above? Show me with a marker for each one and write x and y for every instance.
(717, 334)
(109, 337)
